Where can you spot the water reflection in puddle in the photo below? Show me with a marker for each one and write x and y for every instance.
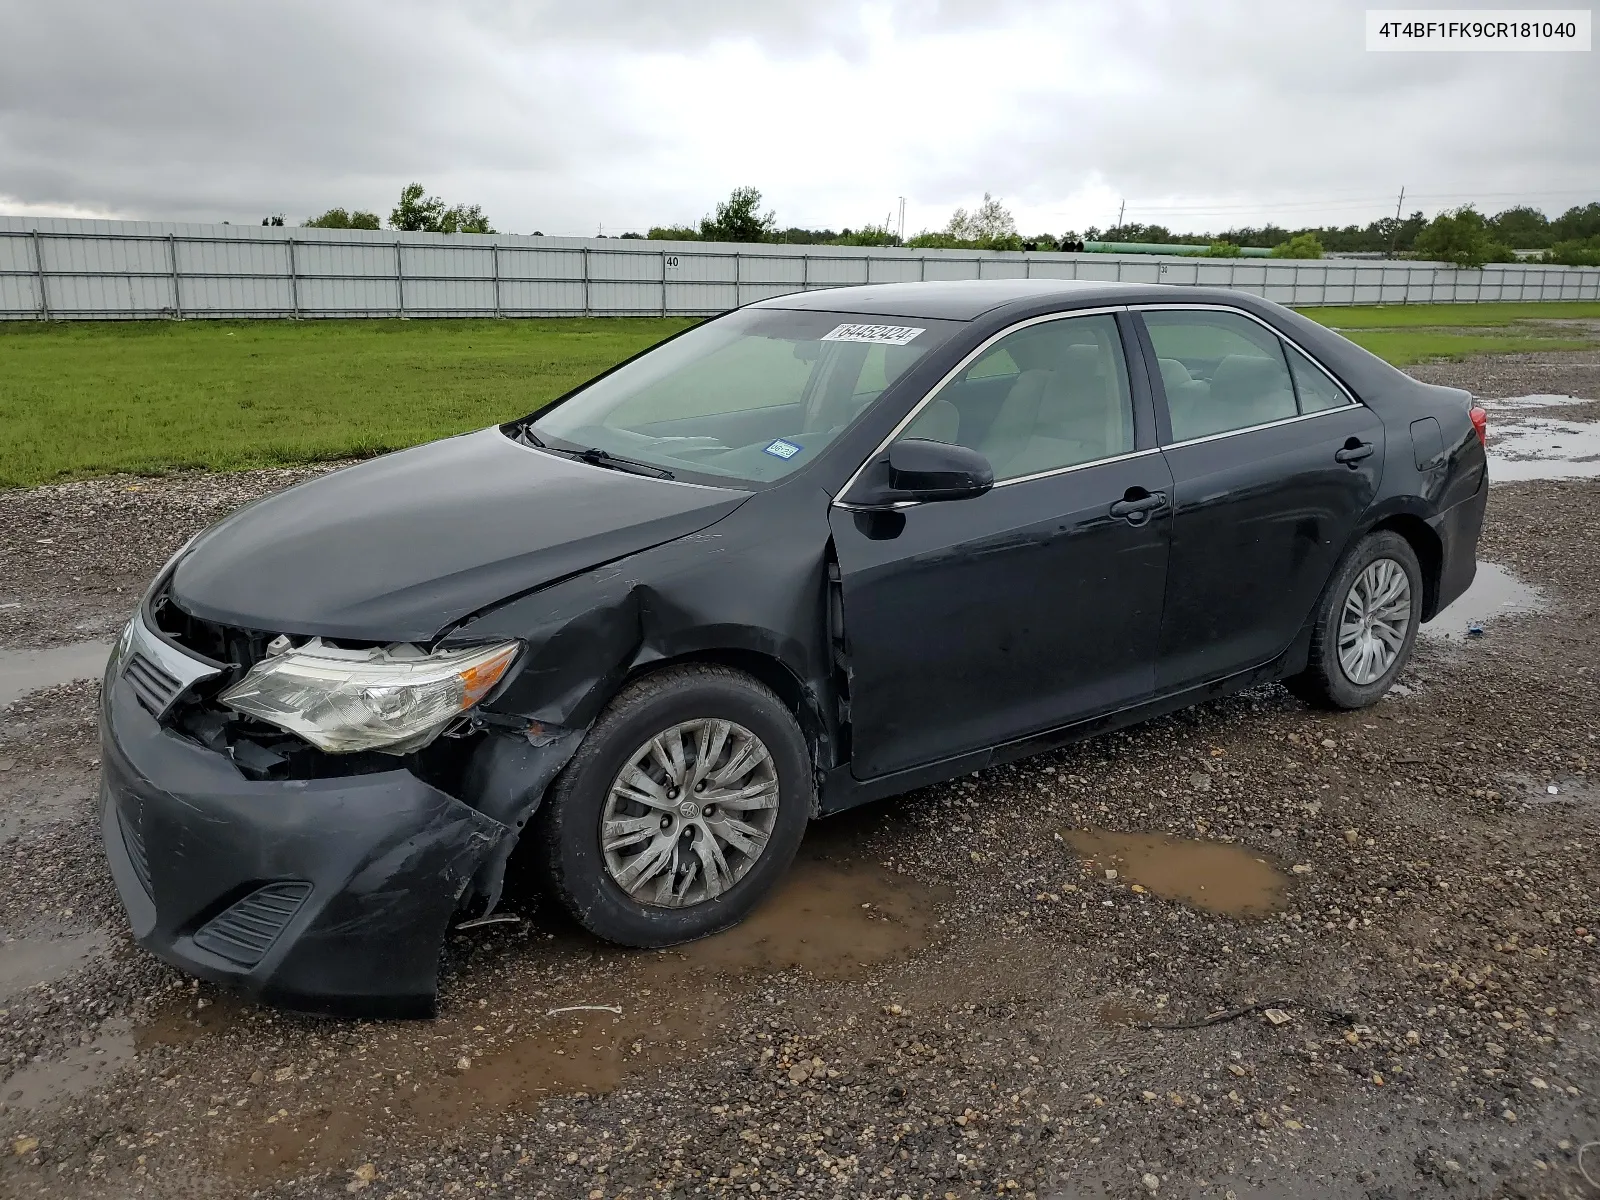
(1219, 878)
(1530, 447)
(1495, 593)
(1540, 400)
(24, 671)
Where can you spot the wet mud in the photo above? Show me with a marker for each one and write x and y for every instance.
(26, 962)
(610, 1016)
(1524, 446)
(1495, 593)
(24, 671)
(79, 1071)
(1215, 877)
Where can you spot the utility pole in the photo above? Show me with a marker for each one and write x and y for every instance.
(1121, 208)
(901, 233)
(1395, 236)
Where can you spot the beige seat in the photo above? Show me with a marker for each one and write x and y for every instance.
(1069, 412)
(1186, 397)
(1251, 390)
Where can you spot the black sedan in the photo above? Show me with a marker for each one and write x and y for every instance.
(816, 551)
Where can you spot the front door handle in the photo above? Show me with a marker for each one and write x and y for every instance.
(1353, 453)
(1136, 509)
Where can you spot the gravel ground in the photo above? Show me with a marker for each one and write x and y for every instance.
(1394, 917)
(1548, 372)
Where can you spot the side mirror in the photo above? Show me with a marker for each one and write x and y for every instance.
(924, 470)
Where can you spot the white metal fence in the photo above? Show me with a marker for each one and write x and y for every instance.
(56, 268)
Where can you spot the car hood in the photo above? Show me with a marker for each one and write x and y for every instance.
(405, 546)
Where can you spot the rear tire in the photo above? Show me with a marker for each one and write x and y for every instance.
(634, 841)
(1365, 625)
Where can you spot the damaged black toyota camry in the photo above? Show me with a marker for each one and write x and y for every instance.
(822, 549)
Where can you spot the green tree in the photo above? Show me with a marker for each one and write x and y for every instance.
(867, 235)
(739, 219)
(1523, 227)
(1223, 249)
(338, 218)
(419, 213)
(990, 223)
(416, 213)
(1577, 252)
(464, 218)
(1301, 245)
(1576, 224)
(673, 233)
(1459, 237)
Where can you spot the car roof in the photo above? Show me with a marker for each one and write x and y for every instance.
(948, 299)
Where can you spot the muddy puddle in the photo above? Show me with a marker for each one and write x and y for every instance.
(1540, 447)
(1228, 880)
(1541, 791)
(24, 671)
(1539, 400)
(1495, 593)
(80, 1070)
(582, 1019)
(29, 961)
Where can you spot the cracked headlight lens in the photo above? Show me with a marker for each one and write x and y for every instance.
(394, 698)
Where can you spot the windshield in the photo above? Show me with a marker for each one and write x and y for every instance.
(751, 396)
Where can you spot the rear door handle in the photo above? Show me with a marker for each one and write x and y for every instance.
(1351, 455)
(1137, 511)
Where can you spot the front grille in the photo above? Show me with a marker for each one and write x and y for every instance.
(218, 643)
(153, 687)
(134, 841)
(244, 932)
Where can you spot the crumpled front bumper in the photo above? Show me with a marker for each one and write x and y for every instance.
(326, 895)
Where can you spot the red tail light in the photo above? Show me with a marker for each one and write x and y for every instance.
(1480, 422)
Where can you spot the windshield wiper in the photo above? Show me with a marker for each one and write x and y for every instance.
(597, 457)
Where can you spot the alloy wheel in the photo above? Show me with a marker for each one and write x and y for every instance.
(1374, 622)
(689, 813)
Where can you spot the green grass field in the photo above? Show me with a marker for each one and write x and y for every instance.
(1477, 316)
(1411, 333)
(83, 399)
(79, 399)
(1405, 347)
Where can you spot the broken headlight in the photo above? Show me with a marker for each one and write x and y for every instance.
(395, 698)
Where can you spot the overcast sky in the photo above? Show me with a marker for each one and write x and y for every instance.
(566, 116)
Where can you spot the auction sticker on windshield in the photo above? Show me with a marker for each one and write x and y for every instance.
(888, 335)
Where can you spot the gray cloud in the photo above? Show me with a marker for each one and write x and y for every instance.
(561, 116)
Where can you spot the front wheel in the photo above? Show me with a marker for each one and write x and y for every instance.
(680, 811)
(1365, 625)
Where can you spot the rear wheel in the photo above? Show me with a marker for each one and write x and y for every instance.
(680, 811)
(1365, 625)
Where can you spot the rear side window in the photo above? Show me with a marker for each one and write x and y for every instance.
(1312, 384)
(1220, 372)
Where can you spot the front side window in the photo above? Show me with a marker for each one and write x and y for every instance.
(1220, 371)
(1047, 396)
(749, 397)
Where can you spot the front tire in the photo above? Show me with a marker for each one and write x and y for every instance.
(681, 810)
(1365, 625)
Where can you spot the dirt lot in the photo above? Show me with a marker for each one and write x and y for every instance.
(959, 992)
